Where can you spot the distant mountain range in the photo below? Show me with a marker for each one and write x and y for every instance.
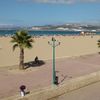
(8, 27)
(68, 27)
(64, 27)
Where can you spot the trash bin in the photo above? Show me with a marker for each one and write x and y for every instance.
(56, 80)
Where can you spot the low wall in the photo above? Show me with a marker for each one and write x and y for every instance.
(70, 85)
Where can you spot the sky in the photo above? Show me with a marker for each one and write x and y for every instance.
(48, 12)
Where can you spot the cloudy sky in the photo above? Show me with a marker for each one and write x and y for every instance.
(43, 12)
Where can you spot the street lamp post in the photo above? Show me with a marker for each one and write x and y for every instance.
(53, 43)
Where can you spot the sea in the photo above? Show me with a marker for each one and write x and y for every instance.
(42, 32)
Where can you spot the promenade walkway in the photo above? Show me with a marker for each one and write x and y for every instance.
(41, 76)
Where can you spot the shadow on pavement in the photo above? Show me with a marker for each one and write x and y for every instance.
(34, 64)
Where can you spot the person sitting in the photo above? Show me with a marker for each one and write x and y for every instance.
(36, 60)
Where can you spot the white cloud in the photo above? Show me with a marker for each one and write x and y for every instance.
(61, 1)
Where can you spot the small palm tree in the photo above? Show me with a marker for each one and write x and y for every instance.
(98, 44)
(22, 40)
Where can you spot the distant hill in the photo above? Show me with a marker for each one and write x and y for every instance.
(11, 27)
(68, 27)
(64, 27)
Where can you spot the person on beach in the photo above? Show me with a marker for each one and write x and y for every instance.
(36, 60)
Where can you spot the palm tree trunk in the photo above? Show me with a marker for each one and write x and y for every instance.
(21, 64)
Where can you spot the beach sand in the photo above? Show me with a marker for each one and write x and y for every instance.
(69, 46)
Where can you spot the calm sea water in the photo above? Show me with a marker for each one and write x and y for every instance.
(41, 33)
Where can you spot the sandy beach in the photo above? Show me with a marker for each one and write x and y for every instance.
(70, 46)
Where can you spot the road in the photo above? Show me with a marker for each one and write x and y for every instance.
(91, 92)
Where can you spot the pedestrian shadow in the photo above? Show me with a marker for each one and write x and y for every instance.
(62, 76)
(34, 64)
(28, 92)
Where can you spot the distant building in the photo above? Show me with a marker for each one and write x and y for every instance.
(36, 28)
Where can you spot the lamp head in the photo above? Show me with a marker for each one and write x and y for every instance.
(53, 39)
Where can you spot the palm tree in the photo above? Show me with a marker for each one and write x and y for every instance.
(22, 40)
(98, 44)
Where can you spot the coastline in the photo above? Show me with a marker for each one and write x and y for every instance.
(36, 33)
